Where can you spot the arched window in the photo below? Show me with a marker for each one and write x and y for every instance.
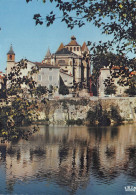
(70, 48)
(77, 48)
(74, 48)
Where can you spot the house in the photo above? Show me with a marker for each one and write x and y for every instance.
(112, 74)
(49, 76)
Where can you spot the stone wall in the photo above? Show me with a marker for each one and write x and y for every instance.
(59, 111)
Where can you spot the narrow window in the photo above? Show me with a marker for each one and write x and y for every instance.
(50, 78)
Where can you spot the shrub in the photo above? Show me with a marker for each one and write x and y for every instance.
(115, 114)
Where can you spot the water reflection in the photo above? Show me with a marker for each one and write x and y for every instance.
(71, 157)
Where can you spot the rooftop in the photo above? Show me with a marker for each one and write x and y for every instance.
(11, 51)
(44, 65)
(64, 51)
(73, 42)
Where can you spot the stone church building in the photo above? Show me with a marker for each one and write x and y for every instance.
(74, 63)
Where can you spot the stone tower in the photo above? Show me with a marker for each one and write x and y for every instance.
(10, 59)
(73, 46)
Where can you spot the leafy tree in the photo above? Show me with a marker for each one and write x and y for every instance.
(98, 115)
(40, 91)
(132, 86)
(63, 88)
(21, 103)
(115, 114)
(110, 89)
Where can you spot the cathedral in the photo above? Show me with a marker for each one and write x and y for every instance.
(73, 61)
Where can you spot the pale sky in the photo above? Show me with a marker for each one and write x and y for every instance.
(30, 41)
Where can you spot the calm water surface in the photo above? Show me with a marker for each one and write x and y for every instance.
(70, 160)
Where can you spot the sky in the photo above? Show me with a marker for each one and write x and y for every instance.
(30, 41)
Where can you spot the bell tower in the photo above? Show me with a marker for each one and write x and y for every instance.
(10, 59)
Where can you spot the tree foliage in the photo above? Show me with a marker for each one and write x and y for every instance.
(132, 86)
(110, 89)
(63, 88)
(116, 17)
(98, 115)
(115, 114)
(102, 116)
(21, 103)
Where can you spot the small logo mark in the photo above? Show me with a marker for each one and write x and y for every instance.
(130, 188)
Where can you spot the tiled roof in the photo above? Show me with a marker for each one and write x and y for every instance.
(115, 68)
(44, 65)
(133, 73)
(60, 47)
(65, 51)
(73, 42)
(84, 47)
(119, 67)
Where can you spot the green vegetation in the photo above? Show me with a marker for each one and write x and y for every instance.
(97, 115)
(102, 117)
(75, 122)
(132, 87)
(110, 89)
(63, 88)
(40, 90)
(21, 103)
(115, 116)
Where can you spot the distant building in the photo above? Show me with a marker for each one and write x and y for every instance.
(74, 63)
(48, 76)
(106, 73)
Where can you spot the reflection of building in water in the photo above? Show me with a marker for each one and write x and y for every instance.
(68, 155)
(54, 155)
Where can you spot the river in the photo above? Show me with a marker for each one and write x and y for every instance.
(71, 160)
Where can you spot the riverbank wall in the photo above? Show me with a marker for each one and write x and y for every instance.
(61, 110)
